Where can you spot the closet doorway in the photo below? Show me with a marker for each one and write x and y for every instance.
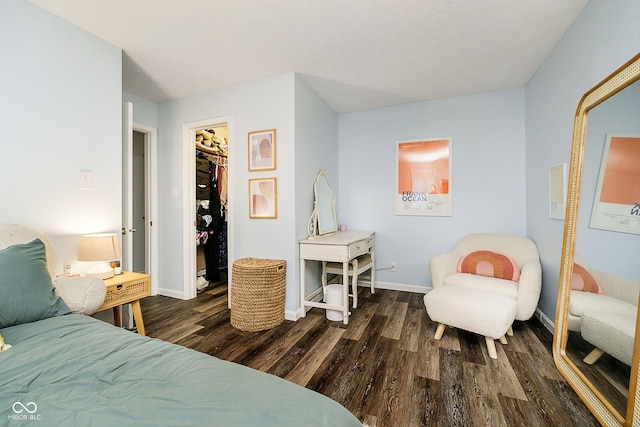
(206, 194)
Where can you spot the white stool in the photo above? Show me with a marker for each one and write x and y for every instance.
(357, 266)
(483, 313)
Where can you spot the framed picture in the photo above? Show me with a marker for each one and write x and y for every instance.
(617, 201)
(262, 150)
(424, 177)
(557, 191)
(263, 197)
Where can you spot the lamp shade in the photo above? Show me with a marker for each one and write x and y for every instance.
(99, 247)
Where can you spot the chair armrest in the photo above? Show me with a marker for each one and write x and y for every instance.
(441, 266)
(529, 287)
(82, 295)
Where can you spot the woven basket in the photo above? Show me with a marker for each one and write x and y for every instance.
(257, 293)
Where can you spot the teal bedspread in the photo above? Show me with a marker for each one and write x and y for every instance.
(74, 370)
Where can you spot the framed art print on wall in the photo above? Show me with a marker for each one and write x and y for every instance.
(557, 190)
(423, 179)
(263, 198)
(262, 150)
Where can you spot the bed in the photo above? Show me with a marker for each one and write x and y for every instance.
(71, 369)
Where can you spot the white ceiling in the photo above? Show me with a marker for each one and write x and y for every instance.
(355, 54)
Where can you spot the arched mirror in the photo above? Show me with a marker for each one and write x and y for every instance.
(323, 219)
(596, 345)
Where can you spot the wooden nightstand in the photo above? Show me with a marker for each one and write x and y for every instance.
(127, 288)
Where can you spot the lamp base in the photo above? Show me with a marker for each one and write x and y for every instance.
(100, 271)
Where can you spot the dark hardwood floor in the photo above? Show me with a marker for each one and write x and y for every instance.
(385, 367)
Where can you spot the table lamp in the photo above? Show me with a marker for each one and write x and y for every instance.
(99, 247)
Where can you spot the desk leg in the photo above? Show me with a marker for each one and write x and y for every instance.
(137, 315)
(116, 316)
(303, 297)
(373, 272)
(345, 293)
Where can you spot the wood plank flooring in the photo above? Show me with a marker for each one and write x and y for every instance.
(385, 367)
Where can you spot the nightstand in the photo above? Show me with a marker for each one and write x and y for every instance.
(127, 288)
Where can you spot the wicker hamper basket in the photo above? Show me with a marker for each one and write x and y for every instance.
(257, 293)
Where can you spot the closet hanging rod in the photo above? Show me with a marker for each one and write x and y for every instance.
(218, 158)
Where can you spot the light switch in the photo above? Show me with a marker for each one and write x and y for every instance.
(174, 192)
(85, 180)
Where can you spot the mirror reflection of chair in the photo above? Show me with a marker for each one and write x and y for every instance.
(357, 266)
(603, 309)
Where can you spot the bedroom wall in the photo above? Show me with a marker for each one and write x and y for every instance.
(144, 112)
(259, 105)
(316, 149)
(605, 35)
(60, 112)
(488, 162)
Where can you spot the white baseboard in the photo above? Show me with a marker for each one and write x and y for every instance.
(402, 287)
(171, 293)
(548, 323)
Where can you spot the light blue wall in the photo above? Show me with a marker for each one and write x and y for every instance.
(259, 105)
(306, 141)
(605, 35)
(60, 112)
(316, 149)
(144, 112)
(488, 180)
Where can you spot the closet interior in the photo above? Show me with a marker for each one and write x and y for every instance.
(211, 205)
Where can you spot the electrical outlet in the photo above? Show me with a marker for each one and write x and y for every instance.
(394, 266)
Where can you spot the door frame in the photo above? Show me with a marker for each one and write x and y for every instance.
(189, 199)
(151, 201)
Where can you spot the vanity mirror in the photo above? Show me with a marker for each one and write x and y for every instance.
(323, 219)
(596, 345)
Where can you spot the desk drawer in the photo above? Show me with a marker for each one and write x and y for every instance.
(324, 252)
(360, 247)
(126, 292)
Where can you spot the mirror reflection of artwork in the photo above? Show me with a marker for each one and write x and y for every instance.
(262, 198)
(262, 150)
(424, 177)
(617, 204)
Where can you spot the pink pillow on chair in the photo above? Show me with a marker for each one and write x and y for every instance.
(490, 264)
(582, 280)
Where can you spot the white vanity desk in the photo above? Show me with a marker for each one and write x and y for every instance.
(341, 246)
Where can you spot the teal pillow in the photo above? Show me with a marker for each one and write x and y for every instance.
(26, 291)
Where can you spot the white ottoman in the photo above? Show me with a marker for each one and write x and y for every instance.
(483, 313)
(609, 333)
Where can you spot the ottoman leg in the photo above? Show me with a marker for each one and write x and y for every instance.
(491, 347)
(592, 357)
(440, 331)
(503, 340)
(510, 331)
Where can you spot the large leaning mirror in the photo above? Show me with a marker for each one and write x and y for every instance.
(323, 219)
(596, 345)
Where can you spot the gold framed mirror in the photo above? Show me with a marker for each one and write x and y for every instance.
(595, 344)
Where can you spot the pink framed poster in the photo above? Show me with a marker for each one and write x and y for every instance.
(424, 177)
